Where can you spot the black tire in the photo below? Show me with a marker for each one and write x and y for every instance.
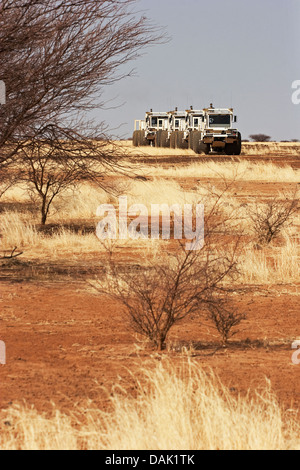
(158, 139)
(140, 138)
(185, 145)
(164, 141)
(197, 142)
(135, 139)
(190, 143)
(179, 140)
(230, 149)
(238, 149)
(173, 140)
(144, 142)
(204, 148)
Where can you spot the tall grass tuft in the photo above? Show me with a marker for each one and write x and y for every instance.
(17, 230)
(175, 408)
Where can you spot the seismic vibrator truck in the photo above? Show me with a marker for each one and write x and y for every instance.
(204, 130)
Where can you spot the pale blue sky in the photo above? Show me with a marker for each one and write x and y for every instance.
(238, 53)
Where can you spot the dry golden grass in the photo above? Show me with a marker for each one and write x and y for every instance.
(176, 408)
(81, 203)
(16, 194)
(272, 265)
(243, 170)
(18, 230)
(238, 171)
(160, 191)
(248, 148)
(261, 148)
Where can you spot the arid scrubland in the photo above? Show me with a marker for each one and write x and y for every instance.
(271, 264)
(176, 402)
(135, 343)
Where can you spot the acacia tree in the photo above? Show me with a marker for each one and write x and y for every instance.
(181, 283)
(173, 289)
(56, 159)
(55, 59)
(269, 219)
(224, 314)
(260, 137)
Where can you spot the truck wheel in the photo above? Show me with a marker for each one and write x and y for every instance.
(144, 142)
(204, 148)
(164, 141)
(135, 139)
(236, 148)
(230, 149)
(141, 138)
(238, 145)
(138, 138)
(190, 143)
(197, 142)
(158, 139)
(173, 140)
(179, 140)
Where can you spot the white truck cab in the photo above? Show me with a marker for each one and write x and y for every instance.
(145, 131)
(220, 130)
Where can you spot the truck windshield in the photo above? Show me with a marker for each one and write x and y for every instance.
(219, 120)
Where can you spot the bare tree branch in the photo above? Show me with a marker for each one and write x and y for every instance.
(55, 58)
(12, 255)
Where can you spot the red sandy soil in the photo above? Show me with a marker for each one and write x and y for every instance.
(65, 343)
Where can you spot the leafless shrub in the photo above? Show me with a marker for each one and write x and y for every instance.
(225, 316)
(270, 218)
(157, 297)
(178, 284)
